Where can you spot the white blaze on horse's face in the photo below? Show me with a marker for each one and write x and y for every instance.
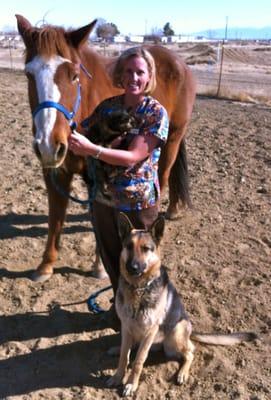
(43, 71)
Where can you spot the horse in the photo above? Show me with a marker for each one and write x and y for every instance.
(67, 79)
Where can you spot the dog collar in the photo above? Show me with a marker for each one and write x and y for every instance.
(142, 288)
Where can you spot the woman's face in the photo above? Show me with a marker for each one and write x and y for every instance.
(135, 76)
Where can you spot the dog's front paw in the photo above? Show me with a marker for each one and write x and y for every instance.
(182, 377)
(114, 380)
(129, 389)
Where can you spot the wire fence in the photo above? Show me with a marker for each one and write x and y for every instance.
(236, 83)
(232, 80)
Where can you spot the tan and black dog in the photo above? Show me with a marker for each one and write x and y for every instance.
(150, 310)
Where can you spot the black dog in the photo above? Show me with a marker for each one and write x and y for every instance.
(111, 132)
(115, 124)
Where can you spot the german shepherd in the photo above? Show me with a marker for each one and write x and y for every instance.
(150, 310)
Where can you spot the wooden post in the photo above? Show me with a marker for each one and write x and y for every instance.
(221, 60)
(10, 53)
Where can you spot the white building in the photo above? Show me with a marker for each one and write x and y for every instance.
(136, 38)
(119, 39)
(178, 39)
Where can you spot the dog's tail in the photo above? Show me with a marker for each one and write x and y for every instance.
(223, 339)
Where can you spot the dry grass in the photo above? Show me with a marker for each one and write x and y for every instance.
(241, 97)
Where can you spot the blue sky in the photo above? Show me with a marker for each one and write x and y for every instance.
(141, 16)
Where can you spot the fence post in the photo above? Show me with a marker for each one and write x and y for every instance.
(221, 60)
(10, 53)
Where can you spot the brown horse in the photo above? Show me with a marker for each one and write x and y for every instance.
(66, 81)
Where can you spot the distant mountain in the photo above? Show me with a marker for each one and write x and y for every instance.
(236, 33)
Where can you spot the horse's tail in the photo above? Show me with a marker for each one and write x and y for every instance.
(179, 178)
(223, 339)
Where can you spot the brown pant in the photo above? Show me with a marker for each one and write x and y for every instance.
(106, 232)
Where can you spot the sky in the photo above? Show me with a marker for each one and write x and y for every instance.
(141, 16)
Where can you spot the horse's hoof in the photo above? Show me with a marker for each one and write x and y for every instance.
(102, 274)
(172, 215)
(38, 277)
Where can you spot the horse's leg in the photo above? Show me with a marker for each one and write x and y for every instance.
(173, 172)
(57, 213)
(179, 191)
(173, 163)
(98, 268)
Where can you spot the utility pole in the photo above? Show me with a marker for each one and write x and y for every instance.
(222, 55)
(146, 26)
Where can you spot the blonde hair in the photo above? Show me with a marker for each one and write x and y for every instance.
(117, 73)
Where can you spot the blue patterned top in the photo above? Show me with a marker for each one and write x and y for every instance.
(137, 187)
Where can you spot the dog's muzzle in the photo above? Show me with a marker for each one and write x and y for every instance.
(135, 268)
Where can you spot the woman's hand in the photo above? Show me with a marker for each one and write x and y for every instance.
(139, 149)
(80, 145)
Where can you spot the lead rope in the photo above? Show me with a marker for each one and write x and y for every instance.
(91, 171)
(92, 304)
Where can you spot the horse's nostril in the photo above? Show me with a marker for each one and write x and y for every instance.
(61, 151)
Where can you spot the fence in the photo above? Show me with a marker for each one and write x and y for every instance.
(240, 84)
(241, 78)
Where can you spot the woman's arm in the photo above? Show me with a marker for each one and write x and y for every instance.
(139, 149)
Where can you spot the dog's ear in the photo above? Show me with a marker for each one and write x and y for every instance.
(124, 226)
(157, 229)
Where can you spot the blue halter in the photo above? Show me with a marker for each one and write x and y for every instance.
(69, 115)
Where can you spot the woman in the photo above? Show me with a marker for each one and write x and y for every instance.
(131, 164)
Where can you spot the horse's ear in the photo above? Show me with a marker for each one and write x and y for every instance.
(23, 25)
(157, 229)
(124, 226)
(80, 36)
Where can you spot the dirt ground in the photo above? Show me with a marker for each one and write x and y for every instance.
(217, 254)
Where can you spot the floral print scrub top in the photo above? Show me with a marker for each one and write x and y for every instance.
(137, 187)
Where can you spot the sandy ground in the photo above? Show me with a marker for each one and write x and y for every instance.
(217, 254)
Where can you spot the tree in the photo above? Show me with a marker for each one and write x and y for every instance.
(107, 31)
(167, 30)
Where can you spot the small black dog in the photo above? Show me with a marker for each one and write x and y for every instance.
(115, 124)
(106, 133)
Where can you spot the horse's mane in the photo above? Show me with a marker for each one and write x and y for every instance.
(47, 41)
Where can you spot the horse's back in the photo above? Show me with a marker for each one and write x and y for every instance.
(175, 83)
(176, 88)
